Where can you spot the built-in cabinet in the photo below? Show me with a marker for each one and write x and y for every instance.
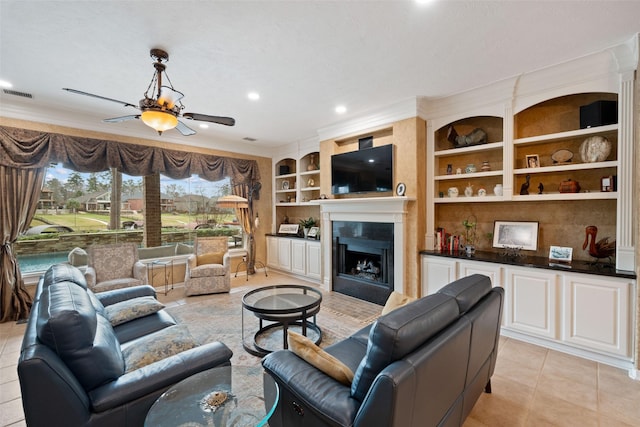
(583, 314)
(298, 256)
(297, 181)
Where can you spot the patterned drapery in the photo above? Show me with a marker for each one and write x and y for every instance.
(24, 156)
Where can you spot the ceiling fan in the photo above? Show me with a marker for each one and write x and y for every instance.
(161, 107)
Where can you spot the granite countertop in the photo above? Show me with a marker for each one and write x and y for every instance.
(585, 267)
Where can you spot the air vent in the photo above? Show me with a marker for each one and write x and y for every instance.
(248, 138)
(16, 93)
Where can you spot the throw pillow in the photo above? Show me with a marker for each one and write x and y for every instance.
(396, 300)
(210, 258)
(305, 349)
(157, 346)
(130, 309)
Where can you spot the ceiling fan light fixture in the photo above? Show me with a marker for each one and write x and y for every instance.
(169, 97)
(159, 120)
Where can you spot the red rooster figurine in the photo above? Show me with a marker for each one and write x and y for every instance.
(604, 248)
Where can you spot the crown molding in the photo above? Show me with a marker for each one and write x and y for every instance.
(401, 110)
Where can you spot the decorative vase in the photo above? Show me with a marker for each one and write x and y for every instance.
(468, 190)
(306, 232)
(485, 166)
(449, 169)
(452, 192)
(471, 168)
(312, 163)
(497, 190)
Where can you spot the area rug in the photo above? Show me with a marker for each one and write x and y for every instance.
(219, 318)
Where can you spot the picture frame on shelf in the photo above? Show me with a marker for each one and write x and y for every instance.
(313, 232)
(560, 254)
(400, 189)
(285, 185)
(288, 228)
(516, 234)
(607, 183)
(532, 161)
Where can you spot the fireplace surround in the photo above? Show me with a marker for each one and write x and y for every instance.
(388, 210)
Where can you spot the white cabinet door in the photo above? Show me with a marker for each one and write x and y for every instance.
(531, 302)
(494, 271)
(284, 254)
(597, 313)
(436, 273)
(314, 260)
(272, 251)
(298, 255)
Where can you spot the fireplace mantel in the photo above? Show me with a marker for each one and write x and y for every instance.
(366, 209)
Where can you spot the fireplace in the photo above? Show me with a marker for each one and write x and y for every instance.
(363, 259)
(391, 212)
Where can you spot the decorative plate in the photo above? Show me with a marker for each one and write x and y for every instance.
(562, 156)
(400, 189)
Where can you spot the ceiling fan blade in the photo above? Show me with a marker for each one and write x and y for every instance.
(227, 121)
(121, 118)
(79, 92)
(184, 129)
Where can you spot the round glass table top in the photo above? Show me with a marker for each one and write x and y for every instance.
(239, 396)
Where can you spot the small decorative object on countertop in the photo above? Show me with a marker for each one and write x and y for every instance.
(497, 190)
(540, 188)
(569, 186)
(468, 190)
(485, 166)
(452, 192)
(482, 192)
(562, 156)
(449, 169)
(471, 168)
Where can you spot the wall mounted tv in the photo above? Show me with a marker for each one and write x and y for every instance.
(363, 171)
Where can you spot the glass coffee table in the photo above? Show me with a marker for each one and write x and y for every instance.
(278, 308)
(239, 396)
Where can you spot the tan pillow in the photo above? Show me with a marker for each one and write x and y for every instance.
(305, 349)
(396, 300)
(210, 258)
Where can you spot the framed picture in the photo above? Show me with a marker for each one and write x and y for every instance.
(607, 184)
(285, 185)
(400, 189)
(533, 161)
(313, 232)
(511, 234)
(288, 228)
(560, 254)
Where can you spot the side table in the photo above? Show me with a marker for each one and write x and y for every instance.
(239, 396)
(168, 272)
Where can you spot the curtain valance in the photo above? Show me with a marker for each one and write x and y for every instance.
(23, 148)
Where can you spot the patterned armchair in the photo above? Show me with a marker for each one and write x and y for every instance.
(114, 266)
(208, 268)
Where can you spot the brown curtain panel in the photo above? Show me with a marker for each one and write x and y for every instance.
(24, 156)
(18, 203)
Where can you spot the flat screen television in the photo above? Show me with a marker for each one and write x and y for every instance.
(363, 171)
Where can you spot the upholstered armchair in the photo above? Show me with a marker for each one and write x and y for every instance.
(208, 268)
(114, 266)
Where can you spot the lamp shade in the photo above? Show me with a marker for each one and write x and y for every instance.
(232, 202)
(159, 120)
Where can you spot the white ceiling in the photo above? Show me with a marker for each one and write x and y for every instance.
(303, 57)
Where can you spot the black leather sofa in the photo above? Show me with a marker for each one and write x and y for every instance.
(78, 378)
(423, 364)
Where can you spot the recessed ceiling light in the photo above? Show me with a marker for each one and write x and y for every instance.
(254, 96)
(341, 109)
(204, 126)
(4, 83)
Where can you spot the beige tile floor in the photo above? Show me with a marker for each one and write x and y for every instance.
(532, 386)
